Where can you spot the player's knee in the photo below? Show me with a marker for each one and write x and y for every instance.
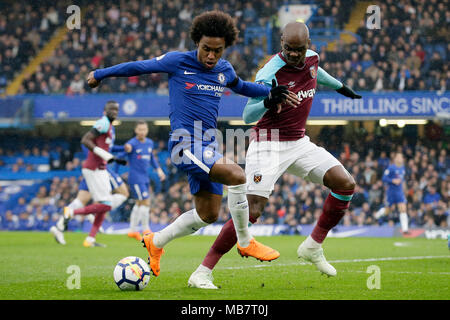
(349, 184)
(210, 217)
(237, 177)
(256, 205)
(255, 213)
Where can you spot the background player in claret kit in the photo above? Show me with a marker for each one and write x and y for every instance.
(394, 178)
(120, 194)
(298, 68)
(98, 140)
(196, 82)
(140, 157)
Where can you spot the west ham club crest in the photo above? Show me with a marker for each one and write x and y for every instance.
(313, 72)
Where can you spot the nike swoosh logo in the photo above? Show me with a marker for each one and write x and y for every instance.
(187, 72)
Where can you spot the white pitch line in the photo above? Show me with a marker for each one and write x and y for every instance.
(406, 272)
(337, 261)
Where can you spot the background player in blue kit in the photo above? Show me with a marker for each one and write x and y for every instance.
(197, 80)
(394, 178)
(140, 157)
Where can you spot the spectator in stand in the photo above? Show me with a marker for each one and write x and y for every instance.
(431, 198)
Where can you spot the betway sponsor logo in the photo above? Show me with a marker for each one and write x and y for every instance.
(306, 94)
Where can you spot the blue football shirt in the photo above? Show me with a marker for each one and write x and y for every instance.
(139, 159)
(194, 91)
(394, 172)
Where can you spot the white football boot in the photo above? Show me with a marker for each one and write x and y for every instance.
(316, 257)
(62, 223)
(59, 236)
(202, 280)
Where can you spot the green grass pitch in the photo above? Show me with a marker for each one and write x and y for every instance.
(34, 267)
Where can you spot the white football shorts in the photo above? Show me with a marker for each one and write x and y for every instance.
(98, 184)
(266, 161)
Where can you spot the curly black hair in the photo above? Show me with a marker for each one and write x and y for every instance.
(214, 24)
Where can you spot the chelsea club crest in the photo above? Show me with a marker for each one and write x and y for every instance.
(221, 78)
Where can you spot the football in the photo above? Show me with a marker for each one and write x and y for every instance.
(131, 274)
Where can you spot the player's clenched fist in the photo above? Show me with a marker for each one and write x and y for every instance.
(278, 95)
(92, 82)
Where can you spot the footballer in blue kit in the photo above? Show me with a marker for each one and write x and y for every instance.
(140, 158)
(197, 80)
(194, 104)
(394, 178)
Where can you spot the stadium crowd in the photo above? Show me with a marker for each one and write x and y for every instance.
(408, 52)
(24, 30)
(294, 201)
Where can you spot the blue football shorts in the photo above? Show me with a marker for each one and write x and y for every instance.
(196, 160)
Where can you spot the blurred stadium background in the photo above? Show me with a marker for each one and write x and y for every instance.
(400, 68)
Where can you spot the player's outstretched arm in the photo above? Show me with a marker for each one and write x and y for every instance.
(127, 147)
(348, 92)
(255, 90)
(165, 63)
(324, 78)
(115, 148)
(126, 69)
(248, 89)
(256, 108)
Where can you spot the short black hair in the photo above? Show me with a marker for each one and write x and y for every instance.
(214, 24)
(139, 122)
(110, 102)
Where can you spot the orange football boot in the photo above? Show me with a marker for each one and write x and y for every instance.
(136, 235)
(258, 250)
(154, 253)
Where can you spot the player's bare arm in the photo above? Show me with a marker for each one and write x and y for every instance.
(88, 139)
(161, 174)
(128, 148)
